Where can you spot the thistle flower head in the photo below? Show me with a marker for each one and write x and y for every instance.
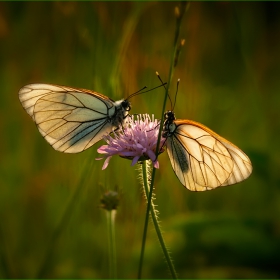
(137, 141)
(110, 200)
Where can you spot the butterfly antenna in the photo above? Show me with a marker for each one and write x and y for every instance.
(164, 87)
(137, 92)
(141, 91)
(176, 93)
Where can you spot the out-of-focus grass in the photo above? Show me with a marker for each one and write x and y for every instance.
(229, 71)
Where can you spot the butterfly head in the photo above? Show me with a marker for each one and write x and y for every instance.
(169, 116)
(126, 105)
(120, 112)
(169, 126)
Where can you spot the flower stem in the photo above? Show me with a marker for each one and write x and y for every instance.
(112, 243)
(179, 16)
(154, 216)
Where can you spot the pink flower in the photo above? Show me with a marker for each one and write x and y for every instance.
(137, 141)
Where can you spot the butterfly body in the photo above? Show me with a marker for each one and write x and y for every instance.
(201, 159)
(72, 119)
(122, 107)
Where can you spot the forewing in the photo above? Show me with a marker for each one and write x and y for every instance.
(29, 94)
(202, 160)
(71, 120)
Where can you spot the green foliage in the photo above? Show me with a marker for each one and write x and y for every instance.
(229, 70)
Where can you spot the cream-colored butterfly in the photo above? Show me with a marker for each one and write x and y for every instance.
(201, 159)
(72, 119)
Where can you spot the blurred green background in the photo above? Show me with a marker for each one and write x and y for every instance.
(230, 81)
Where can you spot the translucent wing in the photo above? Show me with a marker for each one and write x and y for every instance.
(203, 160)
(70, 119)
(29, 94)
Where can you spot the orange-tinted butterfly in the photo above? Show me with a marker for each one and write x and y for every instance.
(201, 159)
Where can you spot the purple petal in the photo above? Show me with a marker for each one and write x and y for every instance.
(106, 162)
(156, 164)
(134, 161)
(128, 153)
(138, 145)
(102, 149)
(151, 155)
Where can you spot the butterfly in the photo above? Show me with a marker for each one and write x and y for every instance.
(71, 119)
(201, 159)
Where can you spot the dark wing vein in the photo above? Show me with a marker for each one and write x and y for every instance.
(68, 124)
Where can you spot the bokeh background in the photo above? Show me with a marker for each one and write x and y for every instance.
(51, 223)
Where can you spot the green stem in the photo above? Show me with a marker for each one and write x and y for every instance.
(112, 243)
(179, 18)
(156, 223)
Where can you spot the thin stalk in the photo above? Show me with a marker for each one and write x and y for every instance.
(155, 219)
(174, 58)
(112, 243)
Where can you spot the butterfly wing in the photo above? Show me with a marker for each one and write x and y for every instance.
(70, 119)
(203, 160)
